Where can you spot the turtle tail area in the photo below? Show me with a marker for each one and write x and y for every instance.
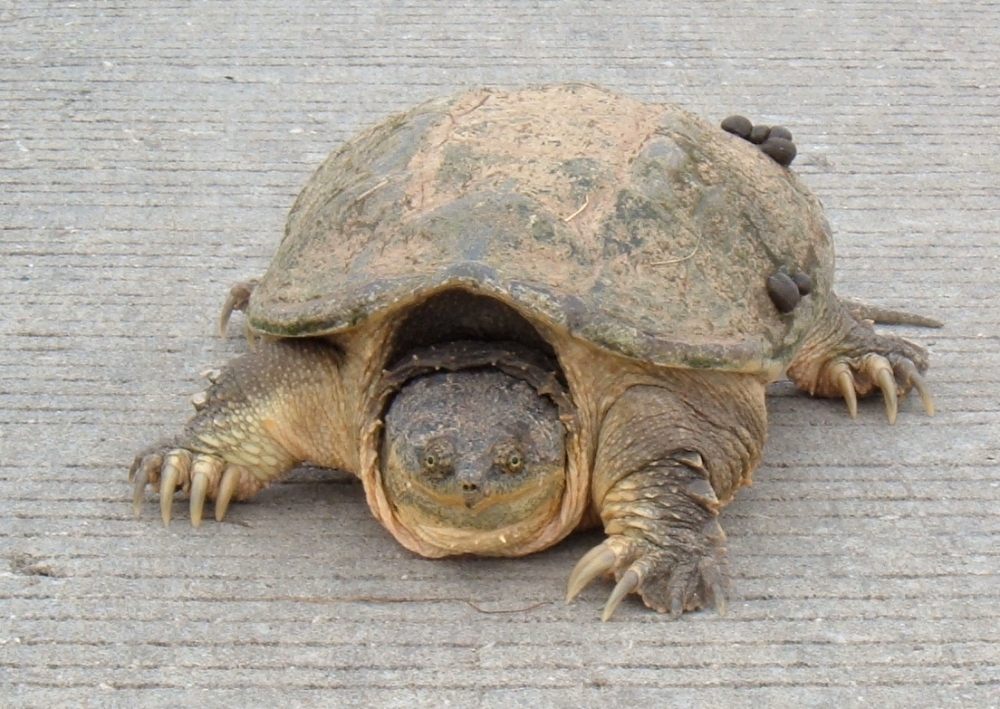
(887, 316)
(843, 357)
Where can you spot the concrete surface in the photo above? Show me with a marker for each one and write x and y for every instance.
(148, 154)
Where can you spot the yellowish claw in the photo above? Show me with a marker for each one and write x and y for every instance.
(887, 383)
(925, 394)
(226, 488)
(596, 562)
(911, 377)
(628, 583)
(139, 492)
(251, 336)
(227, 310)
(168, 484)
(845, 382)
(720, 598)
(199, 487)
(238, 299)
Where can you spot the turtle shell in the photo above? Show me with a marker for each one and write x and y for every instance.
(637, 227)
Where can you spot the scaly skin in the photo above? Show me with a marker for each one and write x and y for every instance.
(266, 412)
(844, 357)
(668, 458)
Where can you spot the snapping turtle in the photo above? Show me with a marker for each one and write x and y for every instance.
(514, 315)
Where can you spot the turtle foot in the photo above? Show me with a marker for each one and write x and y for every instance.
(670, 578)
(894, 375)
(664, 541)
(846, 358)
(199, 476)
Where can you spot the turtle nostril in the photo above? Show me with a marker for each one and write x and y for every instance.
(469, 486)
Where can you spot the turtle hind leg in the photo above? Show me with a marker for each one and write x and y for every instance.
(845, 358)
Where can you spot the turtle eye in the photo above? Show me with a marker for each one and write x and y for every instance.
(437, 458)
(510, 458)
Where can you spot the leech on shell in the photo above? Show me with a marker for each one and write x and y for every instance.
(738, 125)
(803, 282)
(759, 134)
(783, 291)
(780, 150)
(780, 132)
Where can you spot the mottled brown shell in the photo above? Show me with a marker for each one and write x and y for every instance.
(637, 227)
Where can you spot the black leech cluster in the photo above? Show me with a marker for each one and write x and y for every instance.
(774, 141)
(786, 291)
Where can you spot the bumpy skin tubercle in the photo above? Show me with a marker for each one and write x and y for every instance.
(845, 357)
(668, 458)
(264, 413)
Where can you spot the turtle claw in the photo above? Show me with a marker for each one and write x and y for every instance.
(925, 395)
(199, 476)
(907, 371)
(205, 475)
(172, 468)
(199, 486)
(719, 594)
(894, 375)
(138, 492)
(841, 373)
(628, 583)
(669, 579)
(230, 481)
(596, 562)
(887, 384)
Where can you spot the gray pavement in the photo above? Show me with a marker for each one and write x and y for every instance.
(148, 155)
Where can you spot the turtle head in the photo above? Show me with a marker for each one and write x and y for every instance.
(473, 460)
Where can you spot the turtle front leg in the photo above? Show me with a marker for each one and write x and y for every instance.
(264, 413)
(845, 357)
(668, 459)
